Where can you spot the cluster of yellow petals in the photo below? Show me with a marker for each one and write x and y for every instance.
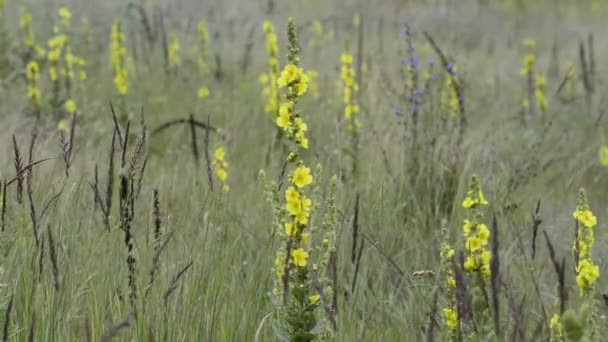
(220, 166)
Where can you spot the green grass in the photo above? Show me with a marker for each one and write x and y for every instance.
(405, 194)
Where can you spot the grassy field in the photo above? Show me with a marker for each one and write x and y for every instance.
(134, 207)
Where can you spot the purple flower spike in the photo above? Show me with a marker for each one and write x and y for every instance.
(450, 67)
(415, 108)
(405, 61)
(455, 73)
(431, 62)
(461, 100)
(418, 93)
(398, 112)
(406, 31)
(414, 61)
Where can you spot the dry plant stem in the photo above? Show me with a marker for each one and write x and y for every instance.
(117, 129)
(3, 213)
(536, 222)
(18, 170)
(53, 255)
(208, 157)
(357, 266)
(156, 264)
(194, 142)
(585, 77)
(495, 276)
(174, 282)
(189, 121)
(355, 231)
(560, 272)
(430, 329)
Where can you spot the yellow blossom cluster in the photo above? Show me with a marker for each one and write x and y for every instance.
(174, 58)
(449, 100)
(447, 258)
(476, 233)
(270, 80)
(220, 166)
(203, 57)
(351, 108)
(289, 119)
(536, 83)
(119, 59)
(32, 72)
(586, 271)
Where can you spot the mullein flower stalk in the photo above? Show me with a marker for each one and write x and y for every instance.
(529, 103)
(220, 167)
(119, 62)
(478, 256)
(174, 48)
(351, 108)
(269, 79)
(448, 281)
(32, 72)
(295, 294)
(587, 272)
(203, 57)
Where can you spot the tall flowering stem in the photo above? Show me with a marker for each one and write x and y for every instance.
(450, 311)
(203, 56)
(270, 78)
(294, 293)
(119, 60)
(32, 72)
(587, 272)
(351, 108)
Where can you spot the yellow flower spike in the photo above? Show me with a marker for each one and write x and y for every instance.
(451, 318)
(314, 299)
(300, 257)
(603, 152)
(288, 75)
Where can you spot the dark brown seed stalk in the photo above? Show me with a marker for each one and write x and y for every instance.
(208, 157)
(560, 272)
(18, 170)
(156, 264)
(157, 220)
(194, 142)
(333, 263)
(53, 255)
(110, 185)
(585, 71)
(357, 266)
(175, 281)
(96, 187)
(536, 222)
(353, 257)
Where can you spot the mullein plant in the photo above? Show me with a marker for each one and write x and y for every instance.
(270, 79)
(451, 324)
(220, 167)
(581, 324)
(203, 57)
(120, 69)
(478, 256)
(174, 53)
(351, 108)
(32, 73)
(298, 291)
(529, 104)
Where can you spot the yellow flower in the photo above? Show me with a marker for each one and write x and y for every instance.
(300, 257)
(470, 264)
(451, 318)
(70, 106)
(302, 177)
(346, 58)
(451, 283)
(604, 155)
(221, 174)
(63, 125)
(263, 78)
(586, 217)
(292, 195)
(468, 203)
(294, 207)
(65, 13)
(587, 274)
(314, 299)
(226, 188)
(220, 153)
(483, 233)
(283, 120)
(288, 75)
(203, 92)
(267, 26)
(473, 244)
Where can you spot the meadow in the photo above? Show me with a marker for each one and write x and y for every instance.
(303, 170)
